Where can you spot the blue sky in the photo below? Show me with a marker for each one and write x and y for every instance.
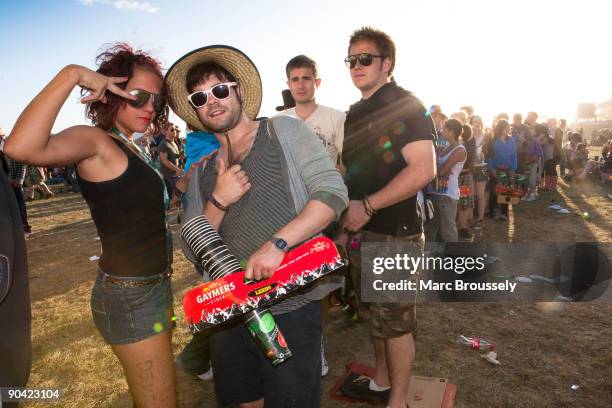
(496, 55)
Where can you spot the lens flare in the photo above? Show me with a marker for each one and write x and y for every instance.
(384, 139)
(388, 157)
(399, 128)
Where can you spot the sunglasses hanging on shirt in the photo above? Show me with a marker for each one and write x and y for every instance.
(219, 91)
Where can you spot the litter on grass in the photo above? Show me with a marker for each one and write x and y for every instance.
(490, 357)
(544, 279)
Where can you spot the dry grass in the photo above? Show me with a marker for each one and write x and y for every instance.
(542, 354)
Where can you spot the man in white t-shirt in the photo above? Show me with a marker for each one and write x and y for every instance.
(327, 123)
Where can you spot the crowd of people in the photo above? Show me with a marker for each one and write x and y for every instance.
(600, 137)
(471, 159)
(387, 170)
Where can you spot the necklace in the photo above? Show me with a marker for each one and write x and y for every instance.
(117, 134)
(230, 153)
(129, 143)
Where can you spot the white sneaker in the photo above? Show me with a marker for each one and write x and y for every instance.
(324, 365)
(207, 376)
(530, 197)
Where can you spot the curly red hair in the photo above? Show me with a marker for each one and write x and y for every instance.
(120, 60)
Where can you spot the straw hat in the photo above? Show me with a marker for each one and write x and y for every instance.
(234, 61)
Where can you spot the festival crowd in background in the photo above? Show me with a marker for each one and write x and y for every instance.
(542, 152)
(386, 170)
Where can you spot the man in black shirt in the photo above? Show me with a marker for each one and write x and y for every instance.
(389, 156)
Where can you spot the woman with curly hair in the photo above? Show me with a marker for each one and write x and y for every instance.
(131, 299)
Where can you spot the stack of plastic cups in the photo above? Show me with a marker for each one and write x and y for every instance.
(216, 259)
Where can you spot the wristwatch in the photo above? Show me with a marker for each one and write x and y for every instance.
(280, 244)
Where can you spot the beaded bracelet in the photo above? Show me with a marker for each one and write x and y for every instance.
(216, 203)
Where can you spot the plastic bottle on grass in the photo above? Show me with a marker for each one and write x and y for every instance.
(476, 343)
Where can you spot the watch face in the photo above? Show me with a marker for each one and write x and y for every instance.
(281, 244)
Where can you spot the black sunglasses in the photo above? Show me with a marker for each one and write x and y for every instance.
(219, 91)
(364, 59)
(143, 97)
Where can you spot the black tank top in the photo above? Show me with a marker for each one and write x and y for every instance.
(129, 214)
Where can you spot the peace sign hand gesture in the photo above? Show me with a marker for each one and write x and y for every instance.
(98, 84)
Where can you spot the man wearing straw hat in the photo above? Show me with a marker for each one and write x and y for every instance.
(271, 186)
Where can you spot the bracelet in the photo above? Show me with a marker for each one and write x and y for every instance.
(365, 207)
(370, 211)
(216, 203)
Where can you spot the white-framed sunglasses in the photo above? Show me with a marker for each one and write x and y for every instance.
(219, 91)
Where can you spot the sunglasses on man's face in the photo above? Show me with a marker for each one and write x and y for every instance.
(364, 59)
(219, 91)
(143, 97)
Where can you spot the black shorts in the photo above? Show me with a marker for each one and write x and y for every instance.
(244, 374)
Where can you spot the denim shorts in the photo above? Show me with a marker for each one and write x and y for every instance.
(243, 373)
(480, 173)
(126, 315)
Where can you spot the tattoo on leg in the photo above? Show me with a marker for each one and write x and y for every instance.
(145, 374)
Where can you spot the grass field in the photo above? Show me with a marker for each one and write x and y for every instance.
(542, 354)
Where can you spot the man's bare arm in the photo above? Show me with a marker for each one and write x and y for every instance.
(420, 170)
(313, 218)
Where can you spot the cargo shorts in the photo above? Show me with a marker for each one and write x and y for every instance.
(387, 319)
